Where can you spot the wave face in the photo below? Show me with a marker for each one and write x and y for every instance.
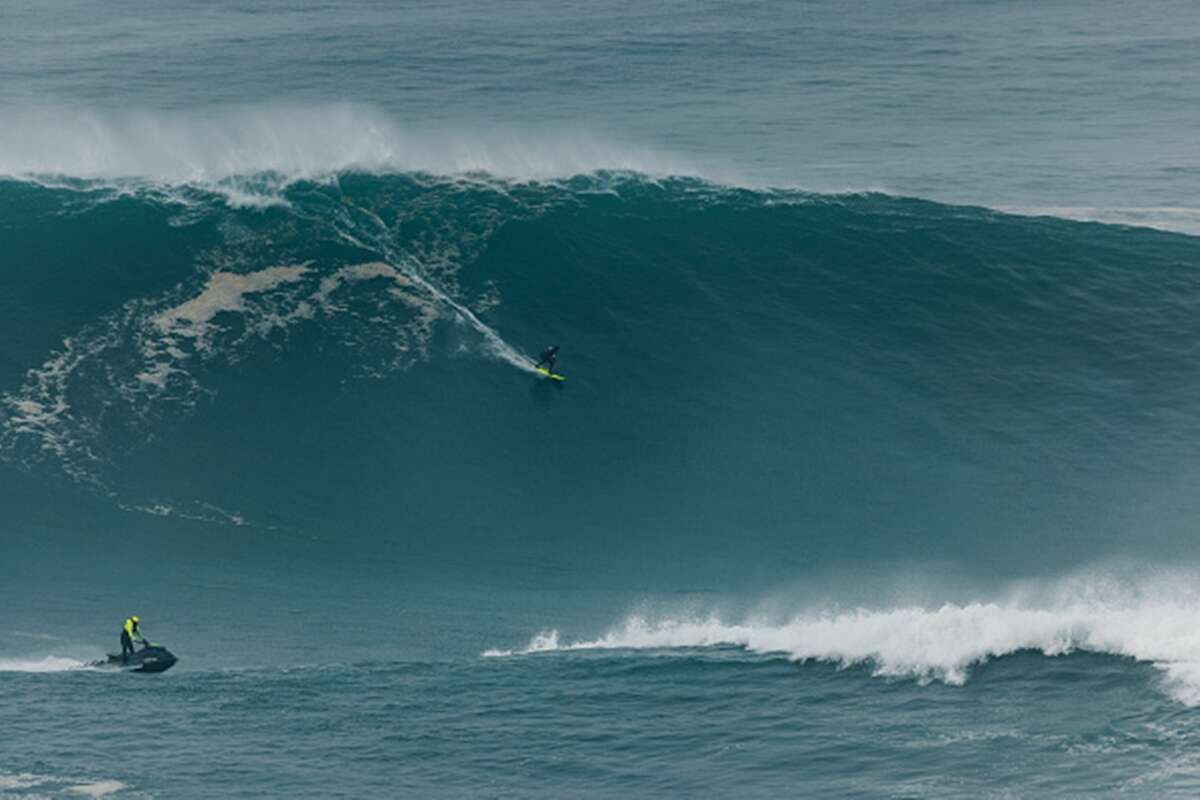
(812, 376)
(317, 413)
(271, 277)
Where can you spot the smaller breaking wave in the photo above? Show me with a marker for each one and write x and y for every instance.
(938, 643)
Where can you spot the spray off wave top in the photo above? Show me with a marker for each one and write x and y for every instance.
(250, 154)
(207, 147)
(1147, 620)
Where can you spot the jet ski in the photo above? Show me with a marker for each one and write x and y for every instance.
(151, 658)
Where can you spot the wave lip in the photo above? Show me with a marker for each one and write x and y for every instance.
(931, 644)
(250, 155)
(290, 143)
(1177, 219)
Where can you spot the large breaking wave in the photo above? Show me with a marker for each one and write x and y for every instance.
(761, 382)
(250, 153)
(964, 342)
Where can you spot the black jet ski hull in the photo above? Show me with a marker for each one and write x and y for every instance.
(148, 659)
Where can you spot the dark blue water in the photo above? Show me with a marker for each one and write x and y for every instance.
(845, 494)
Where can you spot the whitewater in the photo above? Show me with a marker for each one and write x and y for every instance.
(873, 475)
(943, 643)
(250, 153)
(333, 390)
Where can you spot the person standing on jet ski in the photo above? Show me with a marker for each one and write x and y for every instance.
(131, 634)
(548, 357)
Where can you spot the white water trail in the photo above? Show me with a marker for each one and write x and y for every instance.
(495, 343)
(42, 784)
(45, 664)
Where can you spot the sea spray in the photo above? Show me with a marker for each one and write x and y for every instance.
(256, 152)
(1152, 620)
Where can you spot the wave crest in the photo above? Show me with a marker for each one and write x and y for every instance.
(939, 643)
(213, 146)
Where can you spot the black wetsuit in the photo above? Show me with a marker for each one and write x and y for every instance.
(128, 631)
(126, 645)
(547, 358)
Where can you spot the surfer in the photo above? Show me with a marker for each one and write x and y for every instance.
(547, 358)
(131, 633)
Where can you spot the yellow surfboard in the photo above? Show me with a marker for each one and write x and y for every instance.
(550, 374)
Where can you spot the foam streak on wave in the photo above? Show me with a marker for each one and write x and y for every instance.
(47, 664)
(62, 786)
(939, 643)
(495, 344)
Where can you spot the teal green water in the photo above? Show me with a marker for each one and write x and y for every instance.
(846, 494)
(799, 434)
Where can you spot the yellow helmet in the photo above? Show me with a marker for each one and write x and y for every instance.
(134, 618)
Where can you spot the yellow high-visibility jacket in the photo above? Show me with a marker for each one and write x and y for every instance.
(134, 631)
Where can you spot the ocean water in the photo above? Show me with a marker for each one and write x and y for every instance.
(874, 473)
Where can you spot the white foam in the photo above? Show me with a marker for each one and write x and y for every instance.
(198, 511)
(191, 322)
(494, 344)
(544, 642)
(1151, 624)
(20, 780)
(214, 145)
(357, 272)
(46, 664)
(96, 788)
(24, 781)
(59, 412)
(250, 154)
(411, 291)
(40, 411)
(225, 291)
